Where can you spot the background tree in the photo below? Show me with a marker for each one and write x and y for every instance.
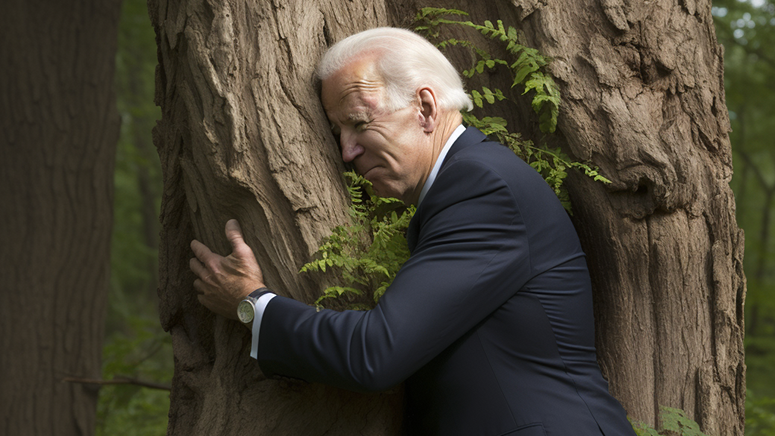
(747, 31)
(243, 135)
(644, 100)
(59, 135)
(136, 348)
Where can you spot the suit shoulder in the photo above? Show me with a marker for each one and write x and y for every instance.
(502, 161)
(485, 150)
(526, 185)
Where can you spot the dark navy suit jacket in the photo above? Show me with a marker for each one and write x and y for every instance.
(489, 322)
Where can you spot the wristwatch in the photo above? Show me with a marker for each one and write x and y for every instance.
(246, 309)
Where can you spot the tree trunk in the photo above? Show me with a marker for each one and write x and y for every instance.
(243, 135)
(643, 98)
(59, 130)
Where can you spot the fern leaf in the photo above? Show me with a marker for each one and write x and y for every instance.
(676, 420)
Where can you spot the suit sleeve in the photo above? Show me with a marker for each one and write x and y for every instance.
(471, 256)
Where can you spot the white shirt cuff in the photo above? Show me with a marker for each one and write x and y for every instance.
(258, 314)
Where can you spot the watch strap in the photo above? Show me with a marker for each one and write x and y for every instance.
(255, 295)
(251, 299)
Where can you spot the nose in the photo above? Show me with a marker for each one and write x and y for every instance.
(350, 147)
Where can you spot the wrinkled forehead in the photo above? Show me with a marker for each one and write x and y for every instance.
(360, 78)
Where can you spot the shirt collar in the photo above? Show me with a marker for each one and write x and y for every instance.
(452, 138)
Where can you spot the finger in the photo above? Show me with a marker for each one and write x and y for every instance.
(234, 234)
(199, 287)
(197, 268)
(240, 250)
(200, 251)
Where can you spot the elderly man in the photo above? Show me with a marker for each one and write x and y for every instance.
(490, 321)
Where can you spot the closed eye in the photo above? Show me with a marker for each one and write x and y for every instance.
(359, 120)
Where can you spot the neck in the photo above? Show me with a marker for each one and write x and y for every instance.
(447, 123)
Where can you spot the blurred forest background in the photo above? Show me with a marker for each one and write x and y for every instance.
(137, 347)
(747, 31)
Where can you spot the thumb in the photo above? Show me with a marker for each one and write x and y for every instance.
(234, 235)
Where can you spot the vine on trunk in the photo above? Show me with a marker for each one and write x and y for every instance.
(369, 268)
(365, 264)
(527, 71)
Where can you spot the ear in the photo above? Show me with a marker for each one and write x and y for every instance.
(429, 110)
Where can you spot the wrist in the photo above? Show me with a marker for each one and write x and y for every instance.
(246, 309)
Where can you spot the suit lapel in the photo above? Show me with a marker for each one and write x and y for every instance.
(470, 137)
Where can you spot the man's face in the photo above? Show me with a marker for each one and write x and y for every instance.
(388, 149)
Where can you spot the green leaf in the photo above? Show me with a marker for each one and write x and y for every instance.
(676, 420)
(522, 72)
(477, 98)
(501, 29)
(367, 253)
(642, 429)
(488, 95)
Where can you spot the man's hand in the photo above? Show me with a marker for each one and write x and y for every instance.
(224, 281)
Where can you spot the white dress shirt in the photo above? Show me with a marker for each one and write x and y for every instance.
(258, 313)
(435, 171)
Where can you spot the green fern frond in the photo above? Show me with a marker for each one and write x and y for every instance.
(364, 268)
(527, 69)
(365, 255)
(674, 422)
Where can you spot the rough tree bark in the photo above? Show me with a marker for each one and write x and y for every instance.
(59, 134)
(243, 135)
(644, 99)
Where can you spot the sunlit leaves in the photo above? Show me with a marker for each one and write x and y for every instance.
(526, 69)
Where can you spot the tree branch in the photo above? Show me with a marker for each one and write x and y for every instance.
(119, 381)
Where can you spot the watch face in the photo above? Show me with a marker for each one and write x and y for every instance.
(245, 312)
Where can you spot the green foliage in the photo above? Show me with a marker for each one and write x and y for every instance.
(367, 254)
(759, 415)
(143, 352)
(138, 170)
(135, 345)
(551, 164)
(746, 29)
(674, 423)
(527, 70)
(364, 264)
(642, 429)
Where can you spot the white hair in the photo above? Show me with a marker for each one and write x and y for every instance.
(406, 61)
